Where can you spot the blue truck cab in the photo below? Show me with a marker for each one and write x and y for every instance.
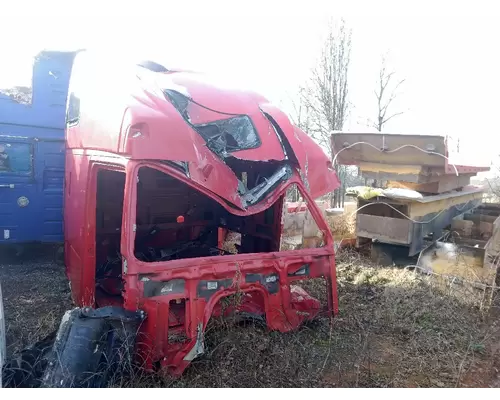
(32, 147)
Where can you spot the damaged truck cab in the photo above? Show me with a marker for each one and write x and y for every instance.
(174, 197)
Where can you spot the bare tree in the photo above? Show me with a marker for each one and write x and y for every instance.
(493, 184)
(301, 113)
(326, 94)
(385, 93)
(324, 99)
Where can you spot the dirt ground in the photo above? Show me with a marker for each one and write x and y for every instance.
(35, 295)
(395, 328)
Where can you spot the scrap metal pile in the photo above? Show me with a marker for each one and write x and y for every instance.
(424, 188)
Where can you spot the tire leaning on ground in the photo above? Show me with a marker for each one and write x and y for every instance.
(87, 346)
(26, 368)
(78, 349)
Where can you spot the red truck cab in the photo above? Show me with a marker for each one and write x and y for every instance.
(160, 166)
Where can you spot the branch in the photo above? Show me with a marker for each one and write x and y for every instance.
(326, 97)
(383, 103)
(392, 116)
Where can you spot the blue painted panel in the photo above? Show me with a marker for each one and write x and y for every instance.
(32, 154)
(51, 72)
(41, 220)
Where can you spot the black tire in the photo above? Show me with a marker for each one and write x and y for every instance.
(92, 347)
(25, 369)
(77, 356)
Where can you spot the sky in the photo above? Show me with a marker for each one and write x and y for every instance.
(446, 51)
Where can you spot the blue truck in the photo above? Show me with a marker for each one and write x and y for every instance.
(32, 146)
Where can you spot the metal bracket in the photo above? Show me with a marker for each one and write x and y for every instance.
(113, 313)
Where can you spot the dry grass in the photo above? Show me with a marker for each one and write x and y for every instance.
(344, 226)
(396, 328)
(36, 295)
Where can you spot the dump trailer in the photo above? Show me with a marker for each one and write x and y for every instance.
(426, 186)
(163, 169)
(32, 123)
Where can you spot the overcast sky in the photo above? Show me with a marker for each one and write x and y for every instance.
(448, 54)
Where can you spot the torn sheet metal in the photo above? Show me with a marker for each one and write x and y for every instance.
(254, 195)
(208, 102)
(209, 125)
(316, 168)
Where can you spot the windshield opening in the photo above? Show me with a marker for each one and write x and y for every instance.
(175, 221)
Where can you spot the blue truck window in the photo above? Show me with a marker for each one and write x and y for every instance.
(15, 158)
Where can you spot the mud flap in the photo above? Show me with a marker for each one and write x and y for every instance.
(85, 347)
